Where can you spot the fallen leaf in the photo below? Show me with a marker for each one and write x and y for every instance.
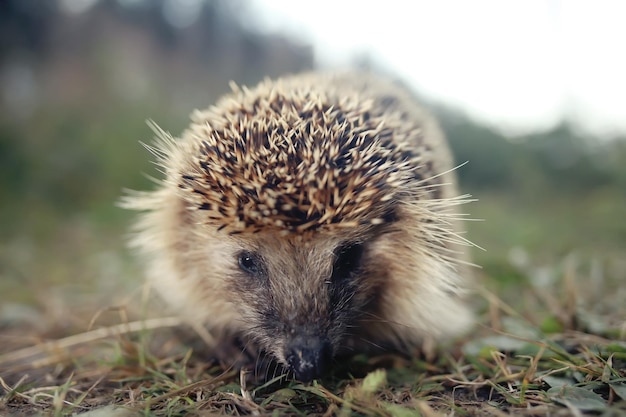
(578, 398)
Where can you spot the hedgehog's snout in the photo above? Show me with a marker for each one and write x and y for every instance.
(308, 357)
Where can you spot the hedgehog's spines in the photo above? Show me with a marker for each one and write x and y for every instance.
(316, 175)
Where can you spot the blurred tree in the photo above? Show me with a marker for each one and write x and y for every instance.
(24, 25)
(558, 160)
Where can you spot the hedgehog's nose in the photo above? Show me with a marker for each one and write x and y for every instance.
(308, 357)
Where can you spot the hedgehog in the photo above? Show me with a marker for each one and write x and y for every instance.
(311, 216)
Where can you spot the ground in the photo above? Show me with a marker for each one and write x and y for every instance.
(550, 340)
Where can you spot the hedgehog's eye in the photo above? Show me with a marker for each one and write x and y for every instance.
(347, 260)
(250, 262)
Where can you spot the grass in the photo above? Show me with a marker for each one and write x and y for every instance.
(560, 349)
(550, 338)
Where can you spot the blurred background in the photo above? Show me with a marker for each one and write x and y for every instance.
(530, 94)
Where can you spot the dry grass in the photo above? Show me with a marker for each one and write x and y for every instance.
(556, 348)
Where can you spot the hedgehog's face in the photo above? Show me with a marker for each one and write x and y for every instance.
(299, 299)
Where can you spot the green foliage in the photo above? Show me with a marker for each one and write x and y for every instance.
(558, 160)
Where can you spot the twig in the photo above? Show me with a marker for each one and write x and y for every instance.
(87, 337)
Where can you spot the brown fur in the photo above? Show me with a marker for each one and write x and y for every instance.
(276, 172)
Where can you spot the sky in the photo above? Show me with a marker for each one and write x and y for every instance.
(520, 66)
